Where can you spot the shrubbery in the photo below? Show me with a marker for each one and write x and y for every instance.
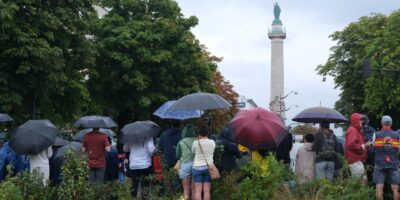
(257, 181)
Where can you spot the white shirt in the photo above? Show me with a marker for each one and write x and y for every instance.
(208, 147)
(140, 154)
(41, 159)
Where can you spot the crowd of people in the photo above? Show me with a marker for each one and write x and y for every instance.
(372, 155)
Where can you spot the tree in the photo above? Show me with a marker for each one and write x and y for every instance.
(223, 88)
(43, 54)
(146, 56)
(304, 129)
(375, 38)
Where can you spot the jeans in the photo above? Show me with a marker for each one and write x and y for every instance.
(96, 175)
(325, 169)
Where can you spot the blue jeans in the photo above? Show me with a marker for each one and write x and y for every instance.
(201, 175)
(325, 169)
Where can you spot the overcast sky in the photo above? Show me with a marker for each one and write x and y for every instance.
(237, 30)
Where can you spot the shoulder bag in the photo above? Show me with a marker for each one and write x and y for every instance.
(212, 169)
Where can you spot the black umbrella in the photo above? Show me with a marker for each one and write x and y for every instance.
(58, 158)
(80, 134)
(60, 142)
(319, 115)
(94, 121)
(33, 136)
(200, 101)
(139, 130)
(5, 118)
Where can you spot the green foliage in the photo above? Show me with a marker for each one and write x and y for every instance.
(263, 179)
(146, 55)
(376, 38)
(43, 57)
(26, 186)
(346, 189)
(74, 177)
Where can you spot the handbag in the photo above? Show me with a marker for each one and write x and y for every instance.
(212, 169)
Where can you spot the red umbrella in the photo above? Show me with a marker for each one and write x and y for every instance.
(258, 129)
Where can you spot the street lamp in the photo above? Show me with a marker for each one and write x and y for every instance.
(278, 104)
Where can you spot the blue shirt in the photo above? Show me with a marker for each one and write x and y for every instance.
(386, 147)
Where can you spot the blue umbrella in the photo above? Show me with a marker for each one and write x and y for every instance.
(5, 118)
(165, 112)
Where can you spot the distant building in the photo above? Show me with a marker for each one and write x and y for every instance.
(246, 103)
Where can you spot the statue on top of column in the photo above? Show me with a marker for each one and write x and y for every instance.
(277, 11)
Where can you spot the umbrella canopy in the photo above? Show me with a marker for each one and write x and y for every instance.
(94, 121)
(5, 118)
(33, 136)
(258, 129)
(200, 101)
(319, 115)
(164, 112)
(58, 158)
(60, 142)
(139, 130)
(80, 134)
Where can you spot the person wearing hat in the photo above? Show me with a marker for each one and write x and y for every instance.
(368, 133)
(356, 147)
(386, 148)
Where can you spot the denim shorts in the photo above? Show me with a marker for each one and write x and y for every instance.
(390, 176)
(186, 170)
(201, 175)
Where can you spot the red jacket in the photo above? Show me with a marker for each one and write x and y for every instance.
(355, 140)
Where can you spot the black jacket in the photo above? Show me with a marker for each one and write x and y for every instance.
(318, 144)
(231, 151)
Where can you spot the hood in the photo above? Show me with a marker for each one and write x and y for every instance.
(188, 131)
(355, 120)
(226, 134)
(308, 146)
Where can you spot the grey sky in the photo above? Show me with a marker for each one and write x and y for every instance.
(237, 31)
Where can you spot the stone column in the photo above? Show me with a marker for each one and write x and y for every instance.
(277, 35)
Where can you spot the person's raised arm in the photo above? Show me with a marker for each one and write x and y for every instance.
(150, 146)
(84, 146)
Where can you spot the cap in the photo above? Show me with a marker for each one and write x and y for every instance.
(386, 119)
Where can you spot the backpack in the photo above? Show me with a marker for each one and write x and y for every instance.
(329, 147)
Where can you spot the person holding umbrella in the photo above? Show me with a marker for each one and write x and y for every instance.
(138, 141)
(40, 163)
(326, 147)
(96, 144)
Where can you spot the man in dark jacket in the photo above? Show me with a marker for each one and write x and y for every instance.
(112, 164)
(284, 148)
(231, 151)
(368, 133)
(326, 147)
(167, 144)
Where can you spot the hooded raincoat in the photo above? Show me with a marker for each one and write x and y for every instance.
(354, 140)
(231, 151)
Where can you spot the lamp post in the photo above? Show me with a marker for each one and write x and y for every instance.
(278, 104)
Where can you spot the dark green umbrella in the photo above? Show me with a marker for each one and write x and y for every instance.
(200, 101)
(33, 136)
(94, 121)
(60, 142)
(5, 117)
(139, 130)
(58, 158)
(80, 134)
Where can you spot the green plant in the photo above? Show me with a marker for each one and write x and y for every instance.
(263, 179)
(74, 176)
